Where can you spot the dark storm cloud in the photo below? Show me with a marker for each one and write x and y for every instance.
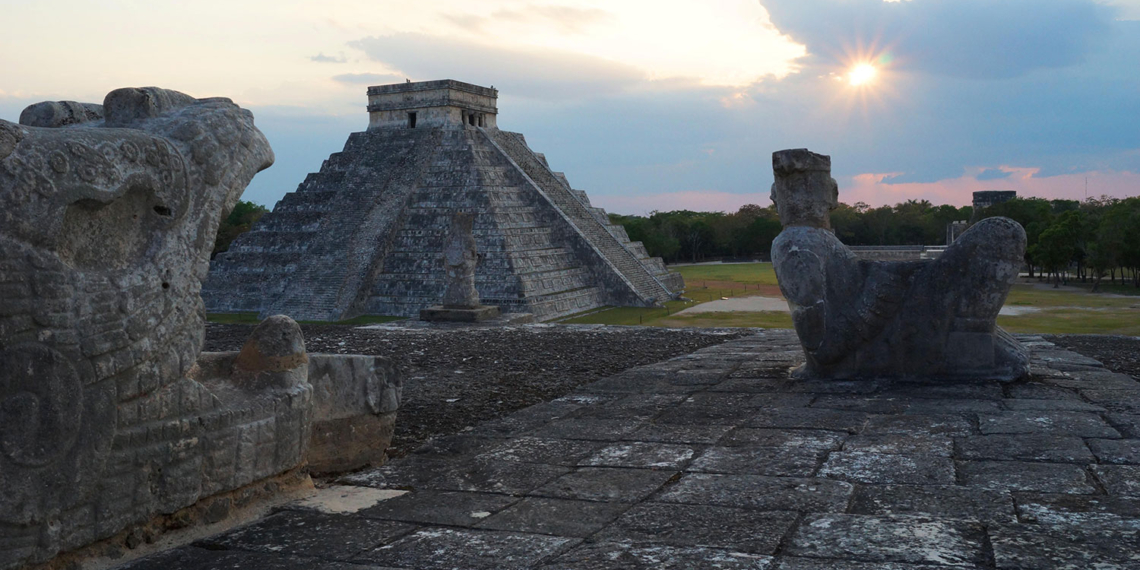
(983, 39)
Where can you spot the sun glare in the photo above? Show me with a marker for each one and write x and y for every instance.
(862, 74)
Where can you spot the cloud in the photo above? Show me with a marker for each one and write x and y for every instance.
(993, 174)
(872, 189)
(558, 19)
(566, 19)
(322, 58)
(981, 39)
(539, 73)
(368, 78)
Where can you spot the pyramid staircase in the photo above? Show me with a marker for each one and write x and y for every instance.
(365, 235)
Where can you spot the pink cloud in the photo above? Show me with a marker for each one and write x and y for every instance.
(873, 188)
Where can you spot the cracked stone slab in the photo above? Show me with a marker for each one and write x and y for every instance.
(1126, 401)
(636, 406)
(642, 385)
(1063, 547)
(919, 425)
(808, 418)
(673, 433)
(771, 461)
(751, 385)
(768, 437)
(589, 429)
(944, 390)
(1127, 424)
(1120, 451)
(758, 492)
(952, 406)
(405, 473)
(1050, 357)
(459, 446)
(949, 501)
(516, 424)
(645, 455)
(608, 555)
(298, 533)
(191, 558)
(1099, 379)
(864, 467)
(1079, 510)
(605, 484)
(747, 401)
(832, 386)
(700, 415)
(1119, 479)
(900, 444)
(561, 517)
(1078, 424)
(1022, 476)
(565, 452)
(507, 477)
(909, 539)
(741, 530)
(819, 564)
(869, 405)
(1052, 406)
(447, 549)
(1027, 447)
(454, 508)
(1040, 391)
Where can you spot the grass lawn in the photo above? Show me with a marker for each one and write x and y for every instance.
(1060, 311)
(251, 319)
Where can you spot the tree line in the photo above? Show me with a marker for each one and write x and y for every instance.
(1089, 240)
(687, 236)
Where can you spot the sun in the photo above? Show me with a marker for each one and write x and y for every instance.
(862, 74)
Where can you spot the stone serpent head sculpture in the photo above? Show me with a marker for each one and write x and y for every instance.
(108, 215)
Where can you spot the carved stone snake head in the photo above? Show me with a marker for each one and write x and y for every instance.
(107, 219)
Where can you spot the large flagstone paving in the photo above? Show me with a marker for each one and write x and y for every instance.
(718, 460)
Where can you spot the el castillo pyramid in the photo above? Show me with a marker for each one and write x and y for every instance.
(365, 234)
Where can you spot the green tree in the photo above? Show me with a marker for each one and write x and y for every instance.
(239, 221)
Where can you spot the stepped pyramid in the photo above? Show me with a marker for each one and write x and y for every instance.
(365, 235)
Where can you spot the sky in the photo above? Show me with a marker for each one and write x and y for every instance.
(648, 105)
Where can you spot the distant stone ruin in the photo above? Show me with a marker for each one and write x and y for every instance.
(860, 318)
(460, 298)
(109, 416)
(363, 235)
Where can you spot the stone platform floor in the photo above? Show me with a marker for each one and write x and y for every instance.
(718, 460)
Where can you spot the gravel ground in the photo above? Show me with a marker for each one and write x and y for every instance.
(1118, 353)
(459, 377)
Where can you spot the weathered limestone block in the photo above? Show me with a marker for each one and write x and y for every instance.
(354, 410)
(350, 401)
(859, 318)
(107, 219)
(460, 299)
(273, 357)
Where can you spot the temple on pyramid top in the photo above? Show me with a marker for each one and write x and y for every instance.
(365, 234)
(431, 104)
